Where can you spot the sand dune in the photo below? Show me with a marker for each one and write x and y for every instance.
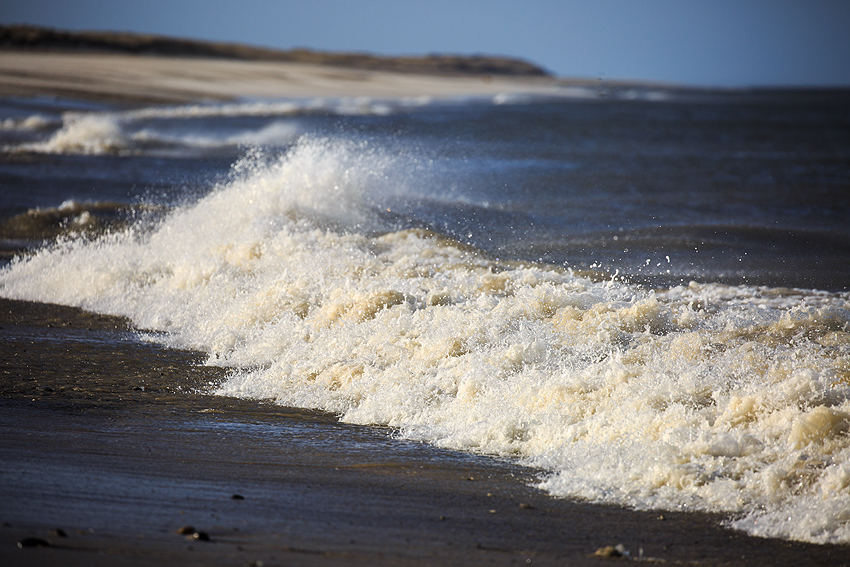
(46, 39)
(135, 68)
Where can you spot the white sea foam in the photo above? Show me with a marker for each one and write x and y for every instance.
(153, 128)
(29, 123)
(93, 133)
(116, 133)
(702, 397)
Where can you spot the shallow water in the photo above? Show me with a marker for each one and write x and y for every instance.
(644, 295)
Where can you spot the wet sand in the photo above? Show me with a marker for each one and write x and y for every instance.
(113, 441)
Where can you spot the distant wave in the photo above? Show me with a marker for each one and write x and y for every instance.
(157, 129)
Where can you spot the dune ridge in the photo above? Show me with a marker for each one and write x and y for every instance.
(33, 38)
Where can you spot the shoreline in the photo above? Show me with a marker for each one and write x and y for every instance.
(136, 80)
(151, 79)
(113, 441)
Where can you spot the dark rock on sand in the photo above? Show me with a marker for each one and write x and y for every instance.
(33, 542)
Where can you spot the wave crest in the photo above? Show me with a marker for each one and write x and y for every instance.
(709, 397)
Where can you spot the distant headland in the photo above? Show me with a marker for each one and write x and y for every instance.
(33, 38)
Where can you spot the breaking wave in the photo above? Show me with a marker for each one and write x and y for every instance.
(297, 275)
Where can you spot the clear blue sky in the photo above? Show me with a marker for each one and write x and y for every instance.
(708, 42)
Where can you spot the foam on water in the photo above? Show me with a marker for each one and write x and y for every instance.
(700, 397)
(154, 129)
(110, 133)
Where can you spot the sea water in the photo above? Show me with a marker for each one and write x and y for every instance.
(643, 293)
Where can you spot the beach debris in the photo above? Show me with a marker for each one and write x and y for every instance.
(612, 551)
(33, 542)
(191, 533)
(237, 497)
(58, 532)
(526, 506)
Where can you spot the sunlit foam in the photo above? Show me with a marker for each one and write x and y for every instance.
(701, 397)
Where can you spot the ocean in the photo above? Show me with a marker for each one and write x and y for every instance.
(642, 292)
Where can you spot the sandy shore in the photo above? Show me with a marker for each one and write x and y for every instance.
(148, 79)
(109, 448)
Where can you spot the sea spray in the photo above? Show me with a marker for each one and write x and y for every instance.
(698, 397)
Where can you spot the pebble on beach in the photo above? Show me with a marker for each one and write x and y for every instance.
(611, 551)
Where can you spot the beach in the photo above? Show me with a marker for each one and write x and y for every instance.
(118, 449)
(113, 443)
(136, 79)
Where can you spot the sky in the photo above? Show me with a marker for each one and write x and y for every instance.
(727, 43)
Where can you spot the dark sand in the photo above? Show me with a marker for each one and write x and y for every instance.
(109, 440)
